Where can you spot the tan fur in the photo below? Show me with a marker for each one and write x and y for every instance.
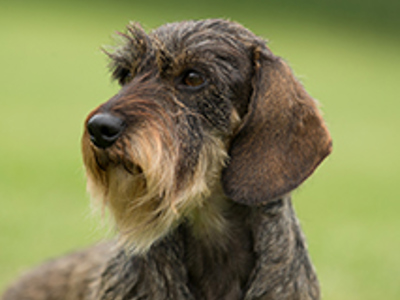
(197, 174)
(146, 210)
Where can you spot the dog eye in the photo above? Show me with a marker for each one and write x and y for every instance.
(123, 76)
(193, 79)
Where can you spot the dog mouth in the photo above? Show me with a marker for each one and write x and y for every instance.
(107, 159)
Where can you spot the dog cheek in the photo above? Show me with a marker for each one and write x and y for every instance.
(216, 111)
(191, 136)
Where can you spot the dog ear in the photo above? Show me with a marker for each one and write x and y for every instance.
(282, 139)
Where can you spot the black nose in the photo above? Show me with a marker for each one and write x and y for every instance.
(104, 129)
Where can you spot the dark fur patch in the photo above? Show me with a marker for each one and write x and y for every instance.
(198, 178)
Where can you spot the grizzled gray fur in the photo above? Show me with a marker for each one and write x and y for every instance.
(195, 157)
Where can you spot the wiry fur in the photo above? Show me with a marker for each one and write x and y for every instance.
(153, 194)
(199, 180)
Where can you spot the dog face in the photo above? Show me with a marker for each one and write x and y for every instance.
(206, 115)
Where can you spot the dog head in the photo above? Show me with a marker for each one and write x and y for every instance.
(205, 112)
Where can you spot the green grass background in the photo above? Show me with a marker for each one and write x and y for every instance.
(347, 54)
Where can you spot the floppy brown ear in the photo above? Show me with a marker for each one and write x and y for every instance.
(282, 140)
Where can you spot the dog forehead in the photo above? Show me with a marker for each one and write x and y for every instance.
(185, 29)
(202, 35)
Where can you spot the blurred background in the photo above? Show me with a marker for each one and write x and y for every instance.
(346, 53)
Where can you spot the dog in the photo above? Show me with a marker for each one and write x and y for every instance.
(195, 157)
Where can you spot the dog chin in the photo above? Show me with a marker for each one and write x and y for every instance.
(141, 216)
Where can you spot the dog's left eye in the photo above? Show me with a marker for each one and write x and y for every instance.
(193, 79)
(123, 76)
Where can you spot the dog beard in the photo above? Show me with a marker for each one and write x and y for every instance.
(151, 183)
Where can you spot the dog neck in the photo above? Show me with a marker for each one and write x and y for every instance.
(209, 223)
(218, 244)
(191, 264)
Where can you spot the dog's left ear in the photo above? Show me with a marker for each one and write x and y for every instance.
(282, 139)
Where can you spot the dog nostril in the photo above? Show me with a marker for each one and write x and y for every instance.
(104, 129)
